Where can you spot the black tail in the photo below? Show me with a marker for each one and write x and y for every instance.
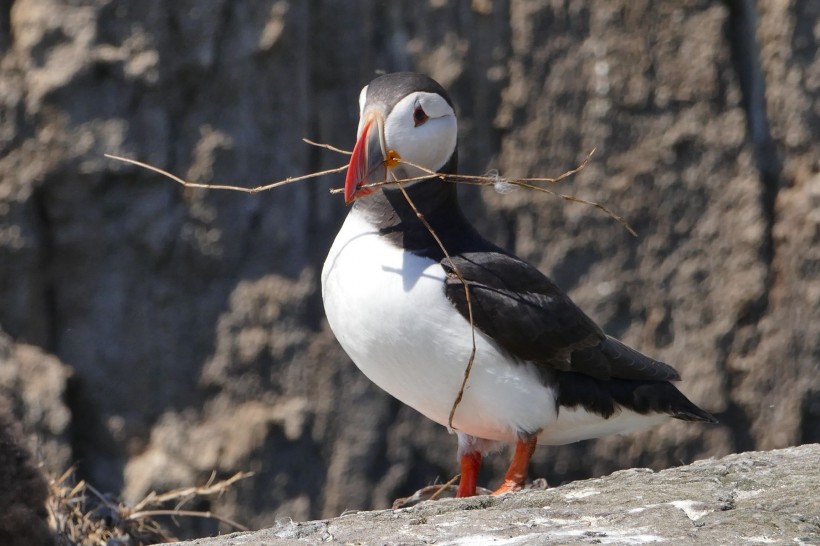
(604, 397)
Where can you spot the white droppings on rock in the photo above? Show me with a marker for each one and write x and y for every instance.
(582, 494)
(760, 540)
(744, 495)
(694, 510)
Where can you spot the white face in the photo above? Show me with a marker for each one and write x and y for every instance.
(422, 128)
(426, 138)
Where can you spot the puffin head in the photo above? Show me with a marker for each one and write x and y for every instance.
(405, 119)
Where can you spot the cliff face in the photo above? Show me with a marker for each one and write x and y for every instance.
(192, 320)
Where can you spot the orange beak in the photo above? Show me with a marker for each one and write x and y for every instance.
(367, 164)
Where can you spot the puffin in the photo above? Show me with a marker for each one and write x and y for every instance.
(543, 372)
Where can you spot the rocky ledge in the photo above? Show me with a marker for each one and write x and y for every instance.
(770, 497)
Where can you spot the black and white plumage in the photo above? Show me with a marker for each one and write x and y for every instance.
(544, 372)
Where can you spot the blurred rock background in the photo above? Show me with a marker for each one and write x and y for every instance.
(154, 334)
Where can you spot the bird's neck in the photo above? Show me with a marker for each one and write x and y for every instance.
(391, 212)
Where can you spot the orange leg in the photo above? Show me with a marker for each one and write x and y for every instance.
(517, 472)
(470, 465)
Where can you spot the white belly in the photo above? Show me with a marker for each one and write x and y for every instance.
(388, 310)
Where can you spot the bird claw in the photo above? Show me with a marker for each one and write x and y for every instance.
(508, 487)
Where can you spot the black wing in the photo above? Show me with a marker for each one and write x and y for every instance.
(533, 320)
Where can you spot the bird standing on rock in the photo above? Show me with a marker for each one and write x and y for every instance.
(543, 373)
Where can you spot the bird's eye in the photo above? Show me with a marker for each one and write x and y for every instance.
(419, 115)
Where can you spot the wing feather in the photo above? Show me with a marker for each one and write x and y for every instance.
(535, 321)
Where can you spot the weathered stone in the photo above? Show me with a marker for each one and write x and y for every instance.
(756, 497)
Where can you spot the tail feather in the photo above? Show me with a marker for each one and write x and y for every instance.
(613, 359)
(605, 397)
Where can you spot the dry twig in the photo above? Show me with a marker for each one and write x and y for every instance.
(444, 486)
(210, 488)
(494, 179)
(326, 146)
(255, 189)
(82, 516)
(456, 270)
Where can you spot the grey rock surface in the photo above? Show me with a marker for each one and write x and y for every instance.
(191, 324)
(750, 498)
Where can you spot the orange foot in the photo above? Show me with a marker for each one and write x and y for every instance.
(516, 474)
(508, 487)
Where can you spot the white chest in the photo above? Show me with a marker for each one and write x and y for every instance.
(388, 310)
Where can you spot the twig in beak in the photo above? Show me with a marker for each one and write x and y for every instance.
(256, 189)
(492, 179)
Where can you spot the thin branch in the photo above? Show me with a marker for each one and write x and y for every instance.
(326, 146)
(105, 500)
(456, 270)
(80, 513)
(486, 180)
(189, 513)
(441, 489)
(617, 217)
(477, 180)
(209, 488)
(256, 189)
(398, 181)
